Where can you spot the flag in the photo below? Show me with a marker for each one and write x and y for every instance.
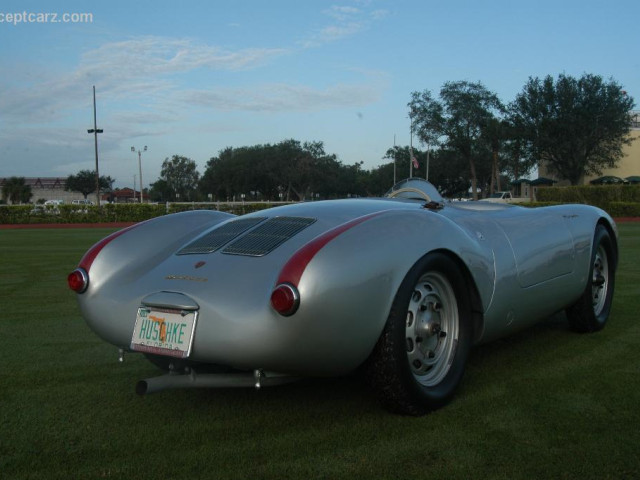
(413, 159)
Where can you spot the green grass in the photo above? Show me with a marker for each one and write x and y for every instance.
(545, 403)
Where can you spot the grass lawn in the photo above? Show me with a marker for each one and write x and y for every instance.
(545, 403)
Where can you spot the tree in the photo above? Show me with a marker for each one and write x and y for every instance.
(494, 133)
(85, 182)
(181, 177)
(514, 161)
(15, 190)
(160, 191)
(457, 119)
(445, 168)
(575, 126)
(286, 170)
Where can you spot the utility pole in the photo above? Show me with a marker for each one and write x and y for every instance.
(133, 149)
(95, 130)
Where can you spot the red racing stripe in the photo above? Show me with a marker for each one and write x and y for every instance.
(295, 267)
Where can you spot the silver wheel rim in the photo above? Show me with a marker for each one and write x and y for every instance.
(600, 280)
(432, 329)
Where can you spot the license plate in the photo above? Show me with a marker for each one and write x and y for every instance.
(164, 332)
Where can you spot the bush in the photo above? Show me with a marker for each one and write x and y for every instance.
(611, 198)
(624, 209)
(234, 208)
(590, 194)
(15, 213)
(536, 204)
(109, 213)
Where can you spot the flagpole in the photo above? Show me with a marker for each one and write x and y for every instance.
(426, 175)
(394, 159)
(411, 149)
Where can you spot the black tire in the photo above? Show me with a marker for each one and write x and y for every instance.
(591, 311)
(421, 355)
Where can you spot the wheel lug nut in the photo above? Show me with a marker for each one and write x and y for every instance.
(430, 354)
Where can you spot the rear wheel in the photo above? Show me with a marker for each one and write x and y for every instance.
(591, 311)
(420, 357)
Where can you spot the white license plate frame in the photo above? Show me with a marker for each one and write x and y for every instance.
(164, 331)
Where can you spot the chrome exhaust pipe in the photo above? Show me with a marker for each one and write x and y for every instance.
(191, 379)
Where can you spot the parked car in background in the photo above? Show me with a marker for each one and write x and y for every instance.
(499, 197)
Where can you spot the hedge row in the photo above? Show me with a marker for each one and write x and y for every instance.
(617, 200)
(28, 214)
(598, 195)
(234, 208)
(615, 209)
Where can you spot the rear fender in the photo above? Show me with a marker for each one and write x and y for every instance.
(146, 244)
(366, 265)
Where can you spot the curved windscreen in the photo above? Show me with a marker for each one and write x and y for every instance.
(415, 189)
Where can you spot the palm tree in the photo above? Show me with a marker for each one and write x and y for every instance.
(15, 190)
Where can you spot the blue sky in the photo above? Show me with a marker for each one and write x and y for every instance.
(194, 77)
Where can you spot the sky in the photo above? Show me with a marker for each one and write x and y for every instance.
(191, 78)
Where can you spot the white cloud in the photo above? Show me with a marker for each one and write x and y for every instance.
(161, 55)
(342, 13)
(283, 97)
(379, 14)
(346, 22)
(134, 68)
(143, 91)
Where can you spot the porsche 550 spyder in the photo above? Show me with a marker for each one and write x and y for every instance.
(401, 287)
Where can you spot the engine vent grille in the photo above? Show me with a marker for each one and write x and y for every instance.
(220, 236)
(267, 237)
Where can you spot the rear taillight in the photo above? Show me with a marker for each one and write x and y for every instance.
(285, 299)
(78, 280)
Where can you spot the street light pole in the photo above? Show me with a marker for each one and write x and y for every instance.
(133, 149)
(95, 130)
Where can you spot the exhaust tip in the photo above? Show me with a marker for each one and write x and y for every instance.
(142, 387)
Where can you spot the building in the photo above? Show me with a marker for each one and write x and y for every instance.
(628, 165)
(48, 188)
(124, 195)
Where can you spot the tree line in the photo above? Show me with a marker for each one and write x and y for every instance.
(576, 127)
(469, 141)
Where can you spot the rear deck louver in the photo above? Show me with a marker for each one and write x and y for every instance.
(268, 236)
(220, 236)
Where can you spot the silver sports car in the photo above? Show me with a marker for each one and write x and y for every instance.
(401, 287)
